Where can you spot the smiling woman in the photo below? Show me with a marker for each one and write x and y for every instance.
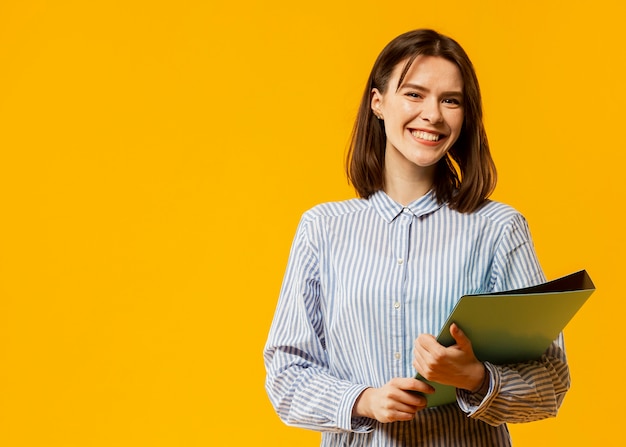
(369, 279)
(430, 81)
(422, 119)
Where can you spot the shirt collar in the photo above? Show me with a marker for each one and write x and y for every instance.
(389, 209)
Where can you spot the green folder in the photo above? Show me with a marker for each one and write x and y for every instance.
(513, 326)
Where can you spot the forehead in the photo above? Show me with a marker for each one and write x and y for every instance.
(430, 72)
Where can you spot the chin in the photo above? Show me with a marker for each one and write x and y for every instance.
(426, 162)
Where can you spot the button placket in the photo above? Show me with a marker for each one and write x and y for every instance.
(401, 243)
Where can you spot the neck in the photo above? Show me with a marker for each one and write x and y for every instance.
(406, 185)
(405, 191)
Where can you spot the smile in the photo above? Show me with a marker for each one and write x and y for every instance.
(422, 135)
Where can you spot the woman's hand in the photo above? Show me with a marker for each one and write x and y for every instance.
(455, 365)
(397, 400)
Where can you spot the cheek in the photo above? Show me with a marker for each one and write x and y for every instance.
(456, 123)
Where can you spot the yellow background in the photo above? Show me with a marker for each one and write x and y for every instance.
(155, 157)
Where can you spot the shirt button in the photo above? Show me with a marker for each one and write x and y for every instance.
(400, 261)
(396, 305)
(397, 356)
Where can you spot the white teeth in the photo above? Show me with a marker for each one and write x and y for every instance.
(425, 135)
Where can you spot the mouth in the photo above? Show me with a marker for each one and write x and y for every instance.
(428, 136)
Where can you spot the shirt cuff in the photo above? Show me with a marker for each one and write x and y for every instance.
(345, 420)
(474, 403)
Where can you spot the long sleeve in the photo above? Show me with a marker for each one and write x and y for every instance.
(298, 382)
(526, 391)
(367, 276)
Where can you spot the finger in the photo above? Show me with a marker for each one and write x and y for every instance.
(411, 403)
(420, 386)
(419, 362)
(426, 342)
(424, 347)
(422, 366)
(427, 350)
(403, 407)
(403, 416)
(459, 336)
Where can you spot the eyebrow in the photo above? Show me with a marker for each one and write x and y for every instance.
(422, 88)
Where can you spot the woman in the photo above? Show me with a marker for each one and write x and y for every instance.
(369, 279)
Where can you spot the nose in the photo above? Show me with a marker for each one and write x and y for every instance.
(431, 111)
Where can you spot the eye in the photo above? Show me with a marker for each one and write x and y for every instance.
(452, 101)
(414, 95)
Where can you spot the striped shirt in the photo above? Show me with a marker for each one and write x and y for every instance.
(365, 277)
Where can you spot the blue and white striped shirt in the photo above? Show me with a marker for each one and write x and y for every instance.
(364, 279)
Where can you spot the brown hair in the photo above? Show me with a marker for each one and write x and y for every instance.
(466, 176)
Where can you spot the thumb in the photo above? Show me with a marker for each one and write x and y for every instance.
(459, 336)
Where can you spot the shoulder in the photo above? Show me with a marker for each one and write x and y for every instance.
(325, 218)
(505, 223)
(499, 213)
(494, 218)
(332, 210)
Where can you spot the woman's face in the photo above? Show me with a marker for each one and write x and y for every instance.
(423, 118)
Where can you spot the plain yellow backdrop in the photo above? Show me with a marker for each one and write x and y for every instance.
(155, 157)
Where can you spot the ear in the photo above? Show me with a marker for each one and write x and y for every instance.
(376, 103)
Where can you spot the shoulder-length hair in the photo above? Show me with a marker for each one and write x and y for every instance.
(466, 176)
